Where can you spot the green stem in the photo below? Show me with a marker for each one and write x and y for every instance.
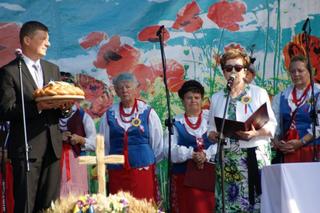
(279, 49)
(194, 64)
(212, 81)
(266, 43)
(206, 55)
(276, 53)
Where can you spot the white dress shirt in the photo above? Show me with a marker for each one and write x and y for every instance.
(36, 73)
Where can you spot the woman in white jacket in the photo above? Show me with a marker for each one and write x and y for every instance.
(243, 158)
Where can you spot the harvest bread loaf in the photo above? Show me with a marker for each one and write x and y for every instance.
(59, 88)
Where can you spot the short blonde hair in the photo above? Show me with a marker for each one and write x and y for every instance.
(235, 53)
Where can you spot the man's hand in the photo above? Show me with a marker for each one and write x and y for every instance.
(63, 105)
(44, 105)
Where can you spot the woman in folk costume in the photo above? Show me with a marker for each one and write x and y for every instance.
(132, 128)
(190, 144)
(79, 136)
(244, 157)
(294, 138)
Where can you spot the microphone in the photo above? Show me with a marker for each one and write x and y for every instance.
(18, 53)
(305, 24)
(230, 81)
(160, 30)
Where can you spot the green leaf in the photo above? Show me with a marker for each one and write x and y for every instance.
(186, 52)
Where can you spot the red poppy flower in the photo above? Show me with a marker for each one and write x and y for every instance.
(150, 34)
(206, 103)
(145, 76)
(217, 58)
(297, 47)
(90, 85)
(290, 50)
(9, 41)
(96, 93)
(175, 74)
(174, 84)
(93, 39)
(188, 18)
(227, 14)
(116, 57)
(100, 105)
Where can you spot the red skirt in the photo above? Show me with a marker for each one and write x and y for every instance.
(304, 154)
(141, 183)
(7, 195)
(185, 199)
(74, 176)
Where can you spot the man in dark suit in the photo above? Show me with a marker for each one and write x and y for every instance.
(33, 190)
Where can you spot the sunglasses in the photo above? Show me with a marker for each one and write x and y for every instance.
(229, 68)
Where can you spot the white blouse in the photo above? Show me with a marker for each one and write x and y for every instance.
(180, 153)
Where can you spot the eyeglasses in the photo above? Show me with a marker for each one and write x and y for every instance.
(229, 68)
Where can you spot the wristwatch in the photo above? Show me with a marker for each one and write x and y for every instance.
(303, 141)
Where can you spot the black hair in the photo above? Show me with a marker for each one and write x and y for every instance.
(29, 28)
(193, 86)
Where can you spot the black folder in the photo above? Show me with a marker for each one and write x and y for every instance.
(258, 119)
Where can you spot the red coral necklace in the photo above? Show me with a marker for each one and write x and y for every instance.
(191, 125)
(124, 114)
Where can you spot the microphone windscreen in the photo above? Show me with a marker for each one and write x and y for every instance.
(233, 76)
(18, 52)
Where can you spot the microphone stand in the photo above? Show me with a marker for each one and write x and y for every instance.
(19, 57)
(169, 120)
(219, 158)
(313, 114)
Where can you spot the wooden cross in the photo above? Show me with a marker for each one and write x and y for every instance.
(101, 160)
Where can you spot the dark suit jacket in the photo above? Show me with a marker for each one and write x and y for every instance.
(37, 123)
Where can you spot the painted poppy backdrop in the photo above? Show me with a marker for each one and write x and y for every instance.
(95, 40)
